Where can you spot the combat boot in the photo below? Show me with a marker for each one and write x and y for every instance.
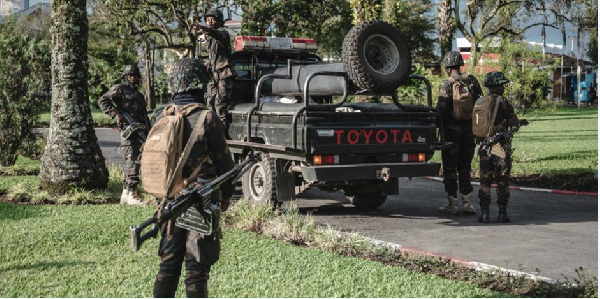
(134, 198)
(467, 207)
(124, 196)
(485, 214)
(502, 215)
(451, 207)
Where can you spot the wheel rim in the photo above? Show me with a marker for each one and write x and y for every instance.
(381, 54)
(257, 181)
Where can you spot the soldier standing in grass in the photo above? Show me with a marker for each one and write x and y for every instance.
(209, 158)
(496, 163)
(126, 98)
(455, 102)
(218, 47)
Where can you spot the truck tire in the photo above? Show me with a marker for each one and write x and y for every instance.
(258, 183)
(370, 200)
(376, 57)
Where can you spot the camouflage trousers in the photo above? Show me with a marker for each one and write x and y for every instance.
(218, 98)
(493, 167)
(176, 246)
(131, 151)
(457, 158)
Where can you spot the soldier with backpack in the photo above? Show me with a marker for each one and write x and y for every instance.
(455, 102)
(126, 98)
(187, 141)
(492, 115)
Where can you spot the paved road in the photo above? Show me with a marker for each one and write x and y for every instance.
(551, 232)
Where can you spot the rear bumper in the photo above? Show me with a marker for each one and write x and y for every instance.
(369, 171)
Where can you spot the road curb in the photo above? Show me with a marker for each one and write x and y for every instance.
(477, 266)
(556, 191)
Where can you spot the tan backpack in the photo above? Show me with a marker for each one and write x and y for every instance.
(162, 155)
(462, 100)
(483, 116)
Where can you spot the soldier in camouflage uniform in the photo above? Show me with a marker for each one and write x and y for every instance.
(458, 157)
(125, 98)
(187, 81)
(218, 47)
(492, 165)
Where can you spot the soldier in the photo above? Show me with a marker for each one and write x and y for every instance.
(125, 98)
(455, 102)
(498, 163)
(218, 47)
(211, 156)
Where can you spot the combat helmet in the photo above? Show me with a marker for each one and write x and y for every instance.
(494, 78)
(131, 69)
(214, 13)
(452, 58)
(187, 74)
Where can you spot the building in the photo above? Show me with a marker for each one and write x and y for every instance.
(564, 75)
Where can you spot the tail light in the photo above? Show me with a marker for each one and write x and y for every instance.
(326, 159)
(417, 157)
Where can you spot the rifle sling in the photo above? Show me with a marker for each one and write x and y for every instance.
(188, 148)
(493, 119)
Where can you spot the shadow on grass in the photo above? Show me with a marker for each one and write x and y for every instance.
(44, 265)
(571, 156)
(11, 211)
(554, 117)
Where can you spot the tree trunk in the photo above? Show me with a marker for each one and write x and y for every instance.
(72, 157)
(474, 54)
(149, 63)
(446, 26)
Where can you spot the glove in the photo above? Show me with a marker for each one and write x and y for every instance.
(120, 119)
(523, 122)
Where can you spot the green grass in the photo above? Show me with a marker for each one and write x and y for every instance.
(100, 119)
(83, 251)
(564, 141)
(7, 182)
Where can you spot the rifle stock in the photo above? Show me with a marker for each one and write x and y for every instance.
(186, 198)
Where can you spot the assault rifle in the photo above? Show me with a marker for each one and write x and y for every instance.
(194, 206)
(485, 147)
(133, 129)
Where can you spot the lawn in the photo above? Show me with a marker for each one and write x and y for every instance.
(100, 119)
(83, 251)
(564, 141)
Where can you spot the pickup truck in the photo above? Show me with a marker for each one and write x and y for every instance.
(296, 110)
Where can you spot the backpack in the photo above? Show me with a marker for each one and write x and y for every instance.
(162, 155)
(462, 100)
(483, 116)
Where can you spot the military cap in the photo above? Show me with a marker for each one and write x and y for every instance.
(494, 78)
(214, 13)
(187, 74)
(452, 58)
(131, 69)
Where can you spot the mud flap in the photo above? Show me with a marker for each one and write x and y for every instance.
(391, 187)
(285, 182)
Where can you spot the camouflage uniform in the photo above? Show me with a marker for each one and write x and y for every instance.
(457, 158)
(492, 166)
(219, 89)
(209, 150)
(122, 98)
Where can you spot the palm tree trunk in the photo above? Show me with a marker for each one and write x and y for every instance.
(72, 157)
(446, 26)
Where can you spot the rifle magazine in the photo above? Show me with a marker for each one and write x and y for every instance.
(192, 219)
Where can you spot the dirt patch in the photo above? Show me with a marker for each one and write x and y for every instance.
(585, 182)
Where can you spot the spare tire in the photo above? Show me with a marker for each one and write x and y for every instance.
(376, 57)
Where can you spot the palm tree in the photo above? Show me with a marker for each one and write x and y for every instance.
(72, 157)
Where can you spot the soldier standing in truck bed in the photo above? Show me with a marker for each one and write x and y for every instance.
(218, 47)
(125, 98)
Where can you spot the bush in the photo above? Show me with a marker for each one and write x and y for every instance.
(24, 89)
